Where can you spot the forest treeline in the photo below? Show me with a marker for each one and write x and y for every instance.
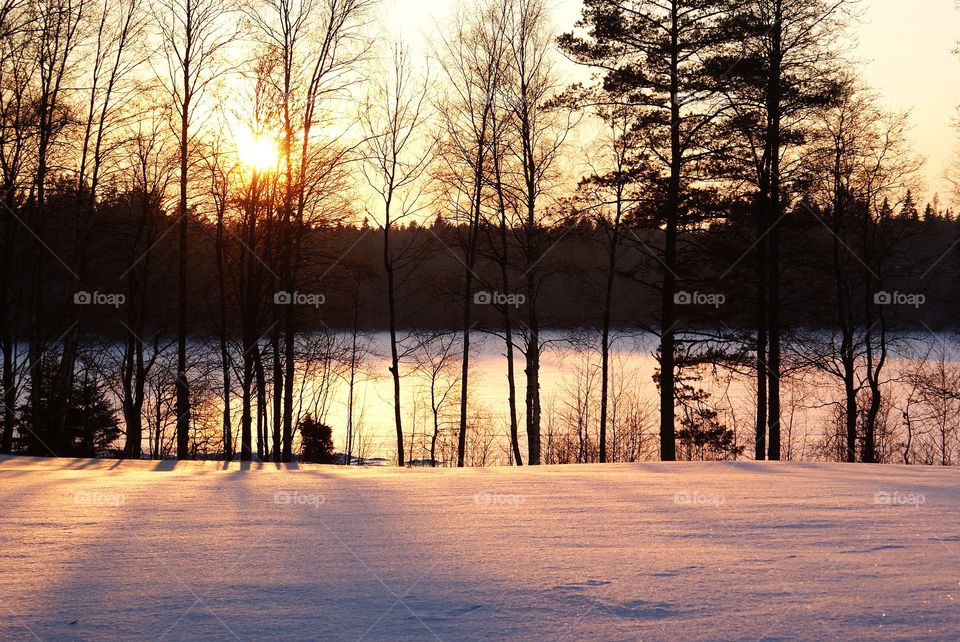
(206, 204)
(344, 273)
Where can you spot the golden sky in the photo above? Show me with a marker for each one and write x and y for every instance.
(905, 47)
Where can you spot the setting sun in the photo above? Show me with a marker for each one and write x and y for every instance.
(257, 152)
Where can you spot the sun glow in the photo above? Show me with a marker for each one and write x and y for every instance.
(258, 152)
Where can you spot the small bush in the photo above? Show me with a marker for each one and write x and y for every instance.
(316, 441)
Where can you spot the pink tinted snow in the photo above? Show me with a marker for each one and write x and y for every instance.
(693, 551)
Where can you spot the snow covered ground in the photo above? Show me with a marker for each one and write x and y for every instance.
(717, 551)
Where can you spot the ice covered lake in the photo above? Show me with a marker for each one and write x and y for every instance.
(570, 385)
(123, 550)
(570, 382)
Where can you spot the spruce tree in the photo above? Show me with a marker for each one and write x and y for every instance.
(909, 208)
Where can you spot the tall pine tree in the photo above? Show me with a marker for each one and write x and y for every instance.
(652, 56)
(784, 72)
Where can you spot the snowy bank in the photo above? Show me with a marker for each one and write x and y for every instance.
(716, 551)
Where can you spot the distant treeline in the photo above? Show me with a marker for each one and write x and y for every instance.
(342, 272)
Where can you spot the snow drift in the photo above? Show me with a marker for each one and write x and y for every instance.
(699, 551)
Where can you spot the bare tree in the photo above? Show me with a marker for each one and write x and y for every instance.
(318, 46)
(396, 159)
(501, 249)
(18, 131)
(931, 410)
(862, 166)
(119, 30)
(528, 89)
(607, 195)
(220, 186)
(783, 75)
(437, 360)
(194, 34)
(151, 169)
(471, 58)
(59, 32)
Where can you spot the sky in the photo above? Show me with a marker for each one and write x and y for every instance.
(905, 48)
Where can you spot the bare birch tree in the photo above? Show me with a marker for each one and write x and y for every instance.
(396, 159)
(194, 36)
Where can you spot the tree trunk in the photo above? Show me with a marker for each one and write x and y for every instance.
(533, 329)
(353, 377)
(605, 327)
(9, 393)
(773, 240)
(246, 419)
(224, 352)
(533, 394)
(263, 443)
(289, 364)
(465, 363)
(668, 446)
(874, 364)
(436, 420)
(507, 323)
(760, 451)
(773, 452)
(133, 395)
(183, 385)
(279, 445)
(472, 232)
(394, 353)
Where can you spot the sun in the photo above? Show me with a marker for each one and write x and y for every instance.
(258, 152)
